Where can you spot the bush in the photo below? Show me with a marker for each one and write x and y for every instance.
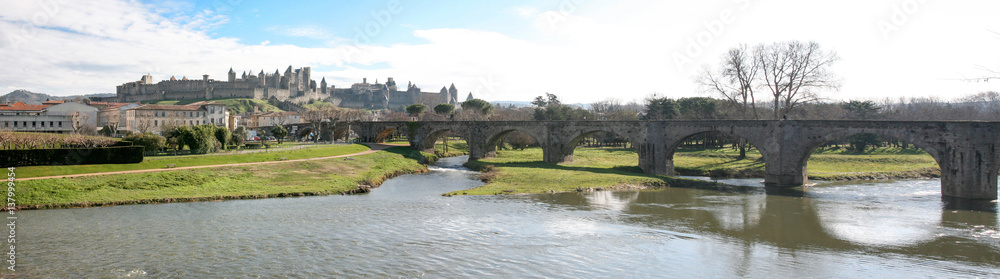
(238, 137)
(151, 142)
(199, 139)
(222, 135)
(279, 133)
(71, 156)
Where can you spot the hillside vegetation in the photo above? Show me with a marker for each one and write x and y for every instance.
(233, 105)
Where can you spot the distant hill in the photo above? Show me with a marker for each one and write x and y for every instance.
(32, 98)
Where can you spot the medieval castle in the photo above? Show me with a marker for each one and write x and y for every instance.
(294, 85)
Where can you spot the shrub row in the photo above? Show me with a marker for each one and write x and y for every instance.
(71, 156)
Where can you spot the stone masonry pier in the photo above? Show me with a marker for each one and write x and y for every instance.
(966, 151)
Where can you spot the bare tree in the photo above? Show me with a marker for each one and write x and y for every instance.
(78, 120)
(735, 80)
(792, 71)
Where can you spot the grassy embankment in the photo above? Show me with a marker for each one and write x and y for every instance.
(234, 105)
(523, 172)
(455, 147)
(319, 177)
(193, 160)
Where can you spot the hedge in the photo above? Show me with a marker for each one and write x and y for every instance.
(71, 156)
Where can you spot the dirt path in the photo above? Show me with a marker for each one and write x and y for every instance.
(375, 147)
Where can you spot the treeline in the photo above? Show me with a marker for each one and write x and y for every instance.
(200, 139)
(980, 106)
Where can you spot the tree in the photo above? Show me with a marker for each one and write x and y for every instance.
(151, 143)
(697, 108)
(660, 109)
(792, 71)
(862, 110)
(79, 121)
(238, 136)
(444, 109)
(415, 110)
(199, 139)
(279, 132)
(735, 80)
(539, 101)
(222, 134)
(478, 105)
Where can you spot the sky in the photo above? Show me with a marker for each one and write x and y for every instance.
(580, 50)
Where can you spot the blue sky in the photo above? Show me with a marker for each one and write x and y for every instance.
(583, 51)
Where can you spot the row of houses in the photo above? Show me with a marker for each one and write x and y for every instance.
(71, 117)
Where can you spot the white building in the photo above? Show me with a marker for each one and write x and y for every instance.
(59, 118)
(156, 118)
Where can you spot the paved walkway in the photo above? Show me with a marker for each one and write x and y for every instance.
(375, 147)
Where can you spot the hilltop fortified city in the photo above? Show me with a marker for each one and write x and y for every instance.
(295, 85)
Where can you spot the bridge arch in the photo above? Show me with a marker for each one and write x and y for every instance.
(428, 137)
(678, 138)
(488, 147)
(802, 159)
(564, 152)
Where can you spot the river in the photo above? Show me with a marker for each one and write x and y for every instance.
(407, 229)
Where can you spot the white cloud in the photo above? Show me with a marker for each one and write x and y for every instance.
(590, 52)
(308, 31)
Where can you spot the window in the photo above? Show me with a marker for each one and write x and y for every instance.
(43, 124)
(32, 124)
(60, 124)
(156, 123)
(50, 124)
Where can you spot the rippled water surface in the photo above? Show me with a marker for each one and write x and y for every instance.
(407, 229)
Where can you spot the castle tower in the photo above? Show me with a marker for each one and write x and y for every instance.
(261, 81)
(322, 86)
(275, 79)
(307, 79)
(444, 95)
(244, 75)
(286, 80)
(452, 95)
(470, 97)
(232, 75)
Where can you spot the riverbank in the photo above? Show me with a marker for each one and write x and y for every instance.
(164, 162)
(519, 172)
(356, 174)
(594, 169)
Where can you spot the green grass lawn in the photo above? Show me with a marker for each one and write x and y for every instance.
(193, 160)
(455, 147)
(515, 171)
(329, 176)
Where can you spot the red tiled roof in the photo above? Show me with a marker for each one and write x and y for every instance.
(20, 106)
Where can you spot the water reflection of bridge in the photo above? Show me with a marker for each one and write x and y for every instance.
(966, 151)
(797, 223)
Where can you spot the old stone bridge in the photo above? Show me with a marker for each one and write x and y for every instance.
(966, 151)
